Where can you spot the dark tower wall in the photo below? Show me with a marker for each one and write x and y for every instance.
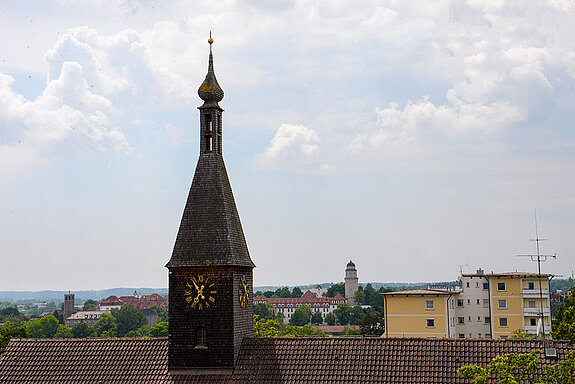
(68, 304)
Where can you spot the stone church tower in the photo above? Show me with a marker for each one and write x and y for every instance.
(210, 271)
(351, 283)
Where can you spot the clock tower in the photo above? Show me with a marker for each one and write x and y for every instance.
(210, 271)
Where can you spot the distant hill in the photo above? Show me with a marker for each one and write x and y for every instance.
(57, 296)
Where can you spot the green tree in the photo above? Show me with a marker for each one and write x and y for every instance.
(282, 292)
(265, 328)
(330, 318)
(143, 331)
(43, 328)
(371, 323)
(335, 289)
(520, 334)
(305, 331)
(9, 313)
(264, 311)
(360, 296)
(301, 315)
(564, 326)
(316, 318)
(128, 319)
(342, 314)
(351, 332)
(59, 316)
(162, 313)
(511, 368)
(159, 329)
(90, 305)
(82, 330)
(562, 373)
(106, 325)
(296, 292)
(63, 332)
(514, 368)
(9, 331)
(355, 315)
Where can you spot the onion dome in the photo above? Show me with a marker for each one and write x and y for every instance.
(350, 264)
(210, 91)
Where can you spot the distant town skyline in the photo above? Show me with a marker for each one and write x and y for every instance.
(412, 138)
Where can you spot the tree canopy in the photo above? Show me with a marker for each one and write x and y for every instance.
(128, 319)
(564, 326)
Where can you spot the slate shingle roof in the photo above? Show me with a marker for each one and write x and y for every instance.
(210, 232)
(261, 360)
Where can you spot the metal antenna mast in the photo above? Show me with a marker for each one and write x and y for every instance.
(539, 258)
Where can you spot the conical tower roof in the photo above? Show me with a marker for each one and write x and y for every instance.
(210, 232)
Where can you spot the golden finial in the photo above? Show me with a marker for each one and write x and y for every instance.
(210, 40)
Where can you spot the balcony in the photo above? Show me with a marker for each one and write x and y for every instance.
(533, 329)
(536, 312)
(534, 293)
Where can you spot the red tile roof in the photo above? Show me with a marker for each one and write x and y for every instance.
(261, 360)
(422, 292)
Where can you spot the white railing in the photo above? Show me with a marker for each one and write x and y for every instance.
(536, 312)
(534, 292)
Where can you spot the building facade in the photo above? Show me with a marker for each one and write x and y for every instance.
(287, 306)
(88, 317)
(482, 306)
(419, 313)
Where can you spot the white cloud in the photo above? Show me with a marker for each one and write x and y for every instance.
(175, 133)
(507, 63)
(291, 146)
(66, 111)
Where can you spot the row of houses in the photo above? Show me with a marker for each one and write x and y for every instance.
(142, 302)
(287, 306)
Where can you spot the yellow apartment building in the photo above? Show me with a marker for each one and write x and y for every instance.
(483, 306)
(519, 303)
(417, 313)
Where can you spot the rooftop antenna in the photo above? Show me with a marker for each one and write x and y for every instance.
(461, 268)
(539, 258)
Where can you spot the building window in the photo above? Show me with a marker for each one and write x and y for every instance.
(479, 319)
(503, 321)
(485, 303)
(462, 335)
(201, 337)
(502, 304)
(430, 323)
(477, 285)
(477, 301)
(504, 337)
(479, 335)
(533, 322)
(468, 284)
(501, 286)
(429, 304)
(487, 320)
(468, 301)
(461, 320)
(488, 335)
(531, 303)
(530, 285)
(485, 285)
(460, 302)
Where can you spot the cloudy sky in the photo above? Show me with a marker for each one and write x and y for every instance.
(413, 137)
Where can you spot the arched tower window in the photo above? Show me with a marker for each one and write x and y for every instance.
(201, 337)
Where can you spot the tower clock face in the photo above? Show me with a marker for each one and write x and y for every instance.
(200, 292)
(244, 291)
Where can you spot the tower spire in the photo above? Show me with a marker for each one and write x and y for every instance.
(210, 91)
